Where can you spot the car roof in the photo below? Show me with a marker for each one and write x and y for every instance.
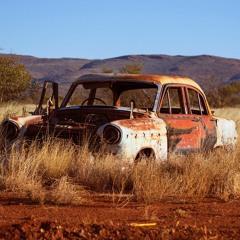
(157, 79)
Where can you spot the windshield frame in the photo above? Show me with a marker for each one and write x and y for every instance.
(117, 86)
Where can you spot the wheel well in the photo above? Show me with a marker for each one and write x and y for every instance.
(146, 152)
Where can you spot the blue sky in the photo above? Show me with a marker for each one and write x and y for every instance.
(98, 29)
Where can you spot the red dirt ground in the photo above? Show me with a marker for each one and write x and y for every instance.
(103, 218)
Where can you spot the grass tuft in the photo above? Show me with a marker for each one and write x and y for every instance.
(64, 192)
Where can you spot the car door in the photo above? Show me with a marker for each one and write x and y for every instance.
(183, 128)
(198, 107)
(48, 99)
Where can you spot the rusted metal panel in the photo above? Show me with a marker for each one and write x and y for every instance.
(14, 128)
(187, 133)
(183, 134)
(162, 80)
(138, 134)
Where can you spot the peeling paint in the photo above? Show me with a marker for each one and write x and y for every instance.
(226, 133)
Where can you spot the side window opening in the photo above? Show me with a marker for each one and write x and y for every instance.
(165, 106)
(196, 103)
(172, 102)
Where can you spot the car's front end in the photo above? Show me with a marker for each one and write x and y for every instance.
(128, 139)
(14, 128)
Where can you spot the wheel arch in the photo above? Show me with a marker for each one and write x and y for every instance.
(147, 152)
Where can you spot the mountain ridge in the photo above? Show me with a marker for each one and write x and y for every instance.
(207, 70)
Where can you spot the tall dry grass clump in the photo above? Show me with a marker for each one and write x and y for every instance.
(101, 172)
(196, 175)
(40, 173)
(55, 157)
(20, 174)
(151, 182)
(63, 191)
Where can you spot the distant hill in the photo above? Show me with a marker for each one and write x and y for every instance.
(208, 71)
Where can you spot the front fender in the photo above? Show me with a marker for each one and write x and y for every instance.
(139, 134)
(14, 128)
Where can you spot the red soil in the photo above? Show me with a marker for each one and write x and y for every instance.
(102, 218)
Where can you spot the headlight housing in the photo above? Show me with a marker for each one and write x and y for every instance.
(112, 134)
(10, 130)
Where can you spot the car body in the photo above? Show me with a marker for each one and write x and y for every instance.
(132, 115)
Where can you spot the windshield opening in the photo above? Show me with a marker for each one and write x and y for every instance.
(143, 95)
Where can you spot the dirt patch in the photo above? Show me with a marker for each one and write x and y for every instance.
(111, 217)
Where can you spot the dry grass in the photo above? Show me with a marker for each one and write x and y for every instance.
(189, 176)
(102, 173)
(55, 157)
(30, 173)
(58, 173)
(65, 192)
(40, 173)
(20, 175)
(15, 109)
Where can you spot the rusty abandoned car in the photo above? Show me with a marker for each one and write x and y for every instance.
(132, 115)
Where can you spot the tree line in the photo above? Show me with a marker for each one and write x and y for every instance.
(227, 95)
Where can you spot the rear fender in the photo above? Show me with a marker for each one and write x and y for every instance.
(226, 133)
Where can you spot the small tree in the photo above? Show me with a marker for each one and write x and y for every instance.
(14, 79)
(133, 68)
